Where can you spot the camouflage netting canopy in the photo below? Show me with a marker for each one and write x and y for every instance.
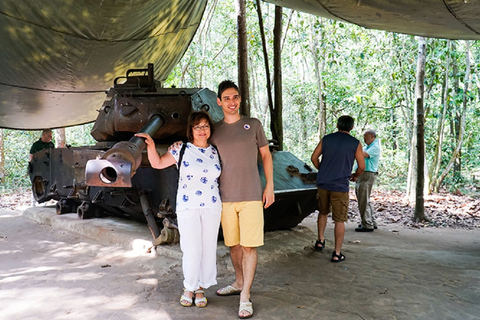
(57, 57)
(448, 19)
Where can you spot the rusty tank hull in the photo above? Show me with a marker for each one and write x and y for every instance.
(114, 178)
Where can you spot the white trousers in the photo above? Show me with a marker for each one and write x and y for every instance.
(198, 240)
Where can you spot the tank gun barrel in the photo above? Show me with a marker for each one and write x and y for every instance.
(155, 123)
(118, 165)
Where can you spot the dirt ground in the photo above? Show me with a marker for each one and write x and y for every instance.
(442, 210)
(52, 268)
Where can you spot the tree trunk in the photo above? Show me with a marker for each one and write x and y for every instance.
(243, 57)
(456, 120)
(319, 67)
(394, 132)
(412, 165)
(275, 107)
(407, 116)
(462, 124)
(277, 116)
(419, 214)
(60, 140)
(203, 40)
(2, 156)
(256, 100)
(265, 58)
(437, 159)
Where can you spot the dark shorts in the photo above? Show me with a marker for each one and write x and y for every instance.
(335, 202)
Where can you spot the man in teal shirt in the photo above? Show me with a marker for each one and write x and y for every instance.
(364, 184)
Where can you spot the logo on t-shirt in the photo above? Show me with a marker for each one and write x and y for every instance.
(246, 126)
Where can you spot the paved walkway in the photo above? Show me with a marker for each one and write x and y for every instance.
(60, 267)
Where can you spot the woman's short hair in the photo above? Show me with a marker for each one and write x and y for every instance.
(194, 118)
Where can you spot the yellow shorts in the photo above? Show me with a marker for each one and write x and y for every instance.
(335, 202)
(242, 223)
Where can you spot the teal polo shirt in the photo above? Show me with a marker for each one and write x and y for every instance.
(373, 150)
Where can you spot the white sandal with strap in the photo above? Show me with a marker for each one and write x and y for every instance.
(200, 302)
(183, 298)
(245, 307)
(228, 291)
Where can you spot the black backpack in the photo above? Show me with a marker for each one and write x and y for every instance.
(180, 157)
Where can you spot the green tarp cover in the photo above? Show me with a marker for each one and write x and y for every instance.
(58, 57)
(448, 19)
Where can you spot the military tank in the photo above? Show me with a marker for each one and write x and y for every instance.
(114, 178)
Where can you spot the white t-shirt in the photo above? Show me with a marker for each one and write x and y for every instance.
(198, 180)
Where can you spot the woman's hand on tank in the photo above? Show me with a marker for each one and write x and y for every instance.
(146, 136)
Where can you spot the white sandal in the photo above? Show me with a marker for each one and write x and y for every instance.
(189, 301)
(228, 291)
(245, 307)
(200, 302)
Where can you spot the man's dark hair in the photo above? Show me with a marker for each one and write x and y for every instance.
(345, 123)
(224, 85)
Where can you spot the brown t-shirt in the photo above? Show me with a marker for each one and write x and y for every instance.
(238, 145)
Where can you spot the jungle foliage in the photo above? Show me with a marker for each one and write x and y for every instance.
(367, 74)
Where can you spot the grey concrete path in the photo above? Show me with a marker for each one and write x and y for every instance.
(60, 267)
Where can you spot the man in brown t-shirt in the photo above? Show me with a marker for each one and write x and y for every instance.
(239, 139)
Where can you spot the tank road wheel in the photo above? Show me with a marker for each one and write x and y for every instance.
(65, 206)
(86, 210)
(38, 189)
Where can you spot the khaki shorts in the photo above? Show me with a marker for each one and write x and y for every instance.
(335, 202)
(242, 223)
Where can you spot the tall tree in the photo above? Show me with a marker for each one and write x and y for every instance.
(2, 156)
(419, 214)
(277, 115)
(453, 113)
(319, 64)
(456, 118)
(462, 116)
(275, 107)
(437, 159)
(243, 57)
(265, 59)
